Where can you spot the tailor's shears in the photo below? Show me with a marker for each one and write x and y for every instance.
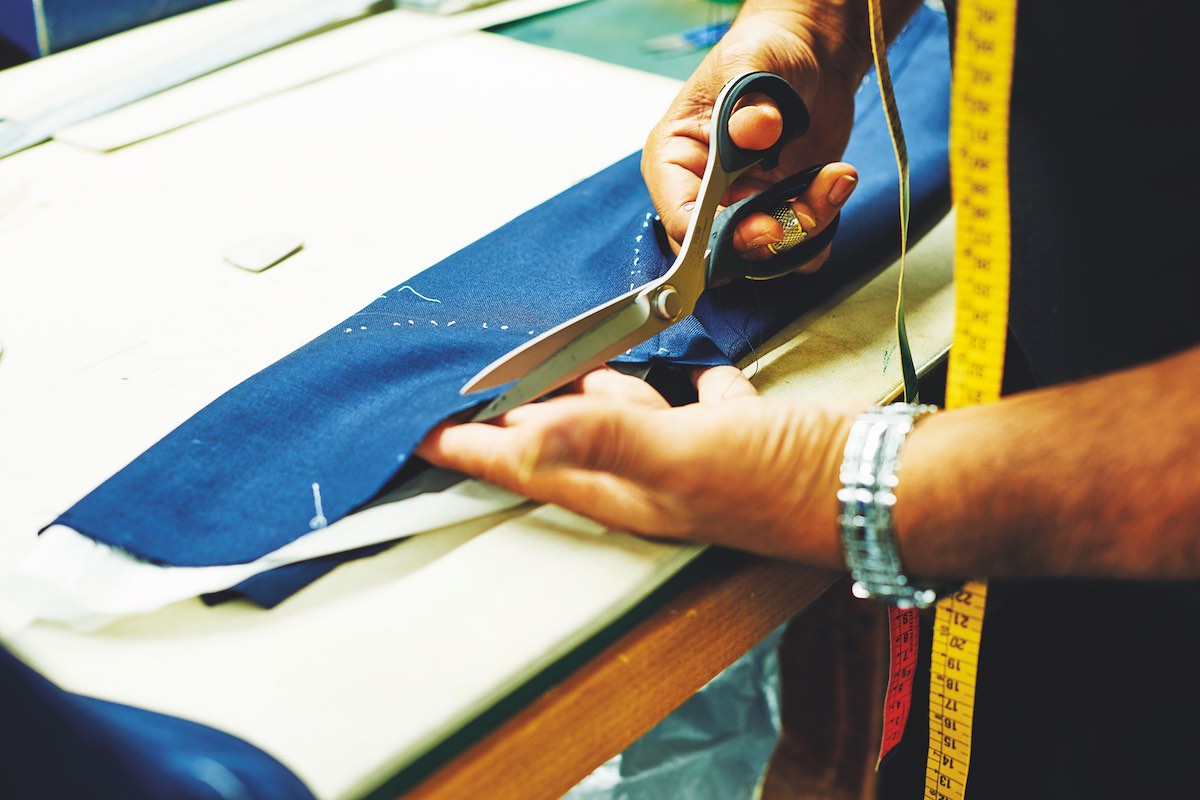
(706, 258)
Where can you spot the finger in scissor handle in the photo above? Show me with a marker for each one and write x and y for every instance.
(814, 210)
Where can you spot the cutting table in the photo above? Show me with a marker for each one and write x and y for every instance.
(449, 665)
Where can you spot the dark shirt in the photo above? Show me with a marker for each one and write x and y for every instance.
(1090, 689)
(1104, 165)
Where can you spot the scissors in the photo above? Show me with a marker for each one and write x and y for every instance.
(706, 258)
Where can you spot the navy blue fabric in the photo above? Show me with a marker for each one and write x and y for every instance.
(346, 410)
(63, 746)
(269, 589)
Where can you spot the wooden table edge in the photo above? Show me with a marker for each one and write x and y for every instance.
(605, 705)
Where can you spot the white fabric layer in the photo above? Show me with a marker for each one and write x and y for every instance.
(68, 578)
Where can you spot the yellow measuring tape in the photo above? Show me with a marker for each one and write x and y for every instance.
(979, 111)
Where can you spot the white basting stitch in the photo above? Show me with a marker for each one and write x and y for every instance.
(418, 294)
(318, 520)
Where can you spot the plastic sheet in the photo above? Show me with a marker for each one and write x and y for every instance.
(716, 745)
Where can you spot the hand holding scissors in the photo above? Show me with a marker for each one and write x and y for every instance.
(706, 258)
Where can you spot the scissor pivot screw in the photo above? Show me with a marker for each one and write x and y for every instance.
(667, 303)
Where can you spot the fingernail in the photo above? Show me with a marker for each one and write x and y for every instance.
(529, 463)
(545, 453)
(842, 188)
(688, 206)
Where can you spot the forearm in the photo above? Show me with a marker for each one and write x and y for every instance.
(1094, 479)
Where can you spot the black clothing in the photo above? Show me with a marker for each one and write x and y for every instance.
(1089, 689)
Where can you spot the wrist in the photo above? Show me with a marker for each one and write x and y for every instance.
(806, 518)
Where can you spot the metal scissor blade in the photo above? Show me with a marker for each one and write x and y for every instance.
(631, 324)
(517, 363)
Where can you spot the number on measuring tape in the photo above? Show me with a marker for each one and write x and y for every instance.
(980, 94)
(979, 109)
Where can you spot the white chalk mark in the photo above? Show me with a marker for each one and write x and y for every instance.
(418, 294)
(318, 520)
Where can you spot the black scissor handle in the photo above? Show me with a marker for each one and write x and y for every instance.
(725, 263)
(791, 107)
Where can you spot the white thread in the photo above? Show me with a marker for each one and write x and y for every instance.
(395, 324)
(410, 322)
(485, 324)
(362, 327)
(318, 520)
(503, 327)
(451, 322)
(418, 294)
(433, 322)
(349, 330)
(531, 333)
(638, 238)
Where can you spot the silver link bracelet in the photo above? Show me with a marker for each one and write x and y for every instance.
(866, 499)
